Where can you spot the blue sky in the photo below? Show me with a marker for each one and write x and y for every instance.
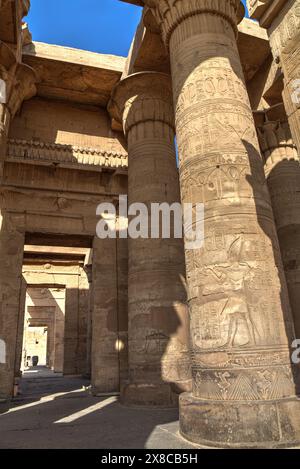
(105, 26)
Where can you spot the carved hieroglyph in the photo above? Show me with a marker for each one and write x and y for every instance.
(241, 326)
(285, 43)
(158, 349)
(282, 170)
(65, 154)
(290, 60)
(282, 19)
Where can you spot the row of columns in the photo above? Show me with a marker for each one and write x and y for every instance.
(244, 386)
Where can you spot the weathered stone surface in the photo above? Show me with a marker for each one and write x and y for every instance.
(116, 310)
(108, 339)
(73, 75)
(46, 138)
(283, 175)
(237, 288)
(157, 316)
(282, 20)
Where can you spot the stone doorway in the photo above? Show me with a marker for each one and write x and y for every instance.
(44, 328)
(54, 312)
(35, 346)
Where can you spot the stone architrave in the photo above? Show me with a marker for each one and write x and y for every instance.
(157, 315)
(244, 391)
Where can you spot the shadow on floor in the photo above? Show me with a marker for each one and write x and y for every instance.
(59, 412)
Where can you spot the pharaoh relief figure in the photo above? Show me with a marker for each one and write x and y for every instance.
(229, 282)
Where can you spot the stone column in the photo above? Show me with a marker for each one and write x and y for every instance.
(157, 314)
(88, 270)
(285, 43)
(11, 257)
(282, 20)
(17, 82)
(7, 65)
(59, 332)
(282, 171)
(105, 354)
(241, 326)
(20, 330)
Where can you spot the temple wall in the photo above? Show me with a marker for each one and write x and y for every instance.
(62, 161)
(65, 123)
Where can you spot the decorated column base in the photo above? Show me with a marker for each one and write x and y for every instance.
(162, 395)
(259, 424)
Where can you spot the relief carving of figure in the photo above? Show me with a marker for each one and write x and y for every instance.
(230, 281)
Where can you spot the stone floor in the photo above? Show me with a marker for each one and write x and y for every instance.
(58, 412)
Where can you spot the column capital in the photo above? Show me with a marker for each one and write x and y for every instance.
(273, 128)
(18, 81)
(88, 269)
(7, 59)
(170, 13)
(274, 135)
(142, 97)
(23, 87)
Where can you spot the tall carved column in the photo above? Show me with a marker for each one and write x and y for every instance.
(7, 68)
(285, 43)
(158, 324)
(282, 20)
(17, 82)
(282, 170)
(241, 327)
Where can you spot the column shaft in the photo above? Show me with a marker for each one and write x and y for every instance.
(284, 35)
(17, 82)
(157, 314)
(89, 273)
(105, 362)
(11, 258)
(282, 171)
(241, 326)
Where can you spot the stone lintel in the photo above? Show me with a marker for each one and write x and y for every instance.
(149, 53)
(265, 11)
(75, 56)
(134, 2)
(274, 113)
(73, 74)
(254, 47)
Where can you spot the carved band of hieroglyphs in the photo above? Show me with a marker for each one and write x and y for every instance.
(43, 151)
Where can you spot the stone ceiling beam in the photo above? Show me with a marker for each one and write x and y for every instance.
(72, 74)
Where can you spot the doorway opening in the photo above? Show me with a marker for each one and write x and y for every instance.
(44, 328)
(54, 317)
(35, 346)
